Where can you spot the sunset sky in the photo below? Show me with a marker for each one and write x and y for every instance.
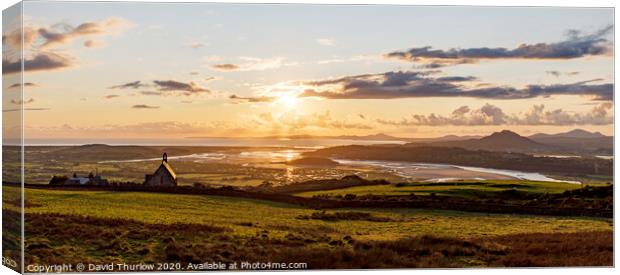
(157, 70)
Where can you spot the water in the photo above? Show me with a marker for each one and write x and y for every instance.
(401, 169)
(557, 156)
(208, 156)
(413, 169)
(605, 157)
(516, 174)
(259, 156)
(573, 156)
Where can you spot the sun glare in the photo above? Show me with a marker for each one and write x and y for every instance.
(288, 101)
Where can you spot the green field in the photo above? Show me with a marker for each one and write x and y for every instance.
(468, 189)
(133, 227)
(281, 219)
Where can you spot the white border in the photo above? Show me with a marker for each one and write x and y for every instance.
(558, 3)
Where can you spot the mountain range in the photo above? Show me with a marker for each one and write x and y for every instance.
(499, 141)
(577, 133)
(575, 142)
(580, 141)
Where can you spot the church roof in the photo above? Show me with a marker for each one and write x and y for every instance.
(168, 168)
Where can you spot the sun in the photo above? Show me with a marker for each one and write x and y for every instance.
(288, 101)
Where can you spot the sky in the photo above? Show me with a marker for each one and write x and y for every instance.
(161, 70)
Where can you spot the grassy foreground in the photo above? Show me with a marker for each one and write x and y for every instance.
(281, 219)
(57, 239)
(98, 226)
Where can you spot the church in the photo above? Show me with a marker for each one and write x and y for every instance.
(163, 176)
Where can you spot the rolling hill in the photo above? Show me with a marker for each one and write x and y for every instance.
(577, 133)
(579, 141)
(504, 141)
(575, 142)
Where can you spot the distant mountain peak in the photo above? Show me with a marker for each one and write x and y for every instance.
(380, 135)
(581, 133)
(507, 132)
(573, 142)
(95, 145)
(576, 133)
(504, 140)
(504, 134)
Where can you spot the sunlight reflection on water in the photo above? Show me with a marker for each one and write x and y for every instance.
(401, 169)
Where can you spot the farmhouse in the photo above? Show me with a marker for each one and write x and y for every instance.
(95, 179)
(163, 176)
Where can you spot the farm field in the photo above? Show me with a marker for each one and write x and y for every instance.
(463, 188)
(226, 221)
(237, 212)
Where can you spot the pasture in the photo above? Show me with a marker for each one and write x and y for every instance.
(281, 219)
(108, 226)
(463, 188)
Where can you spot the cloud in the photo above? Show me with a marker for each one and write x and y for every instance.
(26, 84)
(409, 84)
(14, 38)
(159, 127)
(60, 34)
(155, 129)
(41, 41)
(326, 42)
(355, 58)
(436, 65)
(253, 64)
(456, 78)
(226, 67)
(22, 102)
(172, 85)
(331, 61)
(93, 44)
(389, 78)
(196, 45)
(492, 115)
(111, 96)
(144, 106)
(461, 111)
(253, 99)
(558, 73)
(25, 109)
(292, 121)
(131, 85)
(553, 73)
(212, 58)
(575, 45)
(164, 86)
(44, 61)
(150, 93)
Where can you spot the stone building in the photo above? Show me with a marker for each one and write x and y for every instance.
(163, 176)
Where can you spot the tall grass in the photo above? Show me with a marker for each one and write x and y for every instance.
(54, 239)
